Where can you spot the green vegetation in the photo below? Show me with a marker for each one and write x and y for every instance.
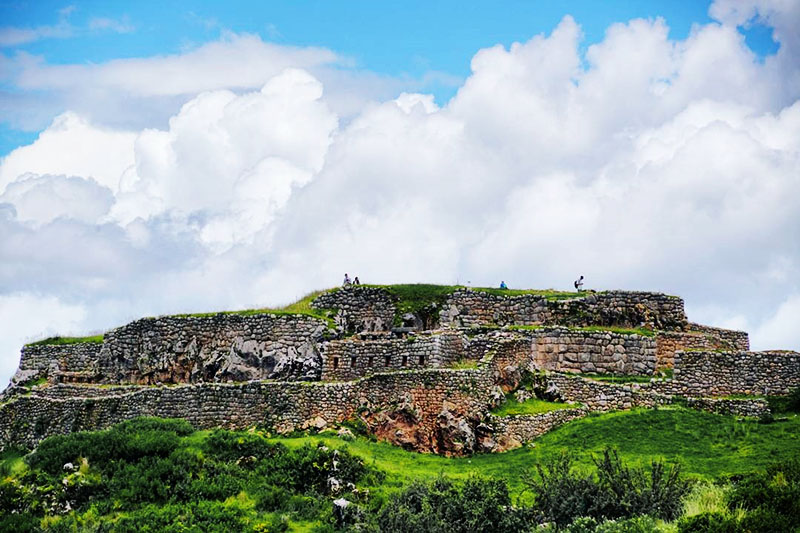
(161, 475)
(617, 378)
(300, 307)
(548, 294)
(33, 382)
(158, 475)
(601, 329)
(464, 364)
(421, 299)
(533, 406)
(94, 339)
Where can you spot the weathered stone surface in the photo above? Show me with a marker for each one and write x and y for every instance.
(472, 308)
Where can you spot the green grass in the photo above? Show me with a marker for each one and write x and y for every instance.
(548, 294)
(533, 406)
(33, 382)
(56, 341)
(11, 463)
(599, 329)
(300, 307)
(617, 378)
(464, 364)
(707, 445)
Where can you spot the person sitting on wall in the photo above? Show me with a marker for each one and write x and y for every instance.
(346, 280)
(503, 285)
(355, 281)
(579, 284)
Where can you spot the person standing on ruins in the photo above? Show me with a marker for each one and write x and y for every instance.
(346, 280)
(579, 284)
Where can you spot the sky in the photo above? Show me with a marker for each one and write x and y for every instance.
(163, 157)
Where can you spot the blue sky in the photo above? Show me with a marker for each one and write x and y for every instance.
(402, 39)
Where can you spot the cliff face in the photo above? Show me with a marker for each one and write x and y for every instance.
(430, 391)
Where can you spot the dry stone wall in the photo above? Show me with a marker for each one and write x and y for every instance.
(175, 349)
(697, 337)
(726, 373)
(360, 308)
(25, 420)
(353, 357)
(473, 308)
(513, 430)
(69, 361)
(566, 350)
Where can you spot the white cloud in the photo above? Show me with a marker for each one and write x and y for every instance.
(782, 329)
(122, 25)
(236, 61)
(74, 147)
(26, 317)
(41, 199)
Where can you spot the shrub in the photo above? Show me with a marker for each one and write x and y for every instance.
(128, 441)
(775, 492)
(441, 506)
(708, 523)
(617, 491)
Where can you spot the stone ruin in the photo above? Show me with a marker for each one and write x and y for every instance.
(427, 384)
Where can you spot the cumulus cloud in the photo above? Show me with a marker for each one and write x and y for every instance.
(25, 317)
(73, 146)
(643, 163)
(41, 199)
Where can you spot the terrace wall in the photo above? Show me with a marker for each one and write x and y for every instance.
(698, 337)
(728, 373)
(361, 309)
(285, 406)
(474, 308)
(351, 358)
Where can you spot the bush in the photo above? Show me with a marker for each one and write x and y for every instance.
(128, 441)
(617, 491)
(708, 523)
(775, 492)
(475, 506)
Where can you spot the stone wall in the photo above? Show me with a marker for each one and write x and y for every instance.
(285, 406)
(726, 373)
(566, 350)
(175, 349)
(734, 339)
(514, 430)
(360, 308)
(56, 361)
(353, 357)
(697, 337)
(599, 396)
(473, 308)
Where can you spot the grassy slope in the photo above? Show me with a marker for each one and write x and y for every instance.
(95, 339)
(706, 445)
(534, 406)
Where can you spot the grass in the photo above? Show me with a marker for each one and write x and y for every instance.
(707, 445)
(533, 406)
(57, 341)
(11, 462)
(599, 329)
(618, 378)
(33, 382)
(548, 294)
(300, 307)
(464, 364)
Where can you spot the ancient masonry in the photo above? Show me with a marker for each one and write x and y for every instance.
(427, 383)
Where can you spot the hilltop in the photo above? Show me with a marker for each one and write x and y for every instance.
(444, 369)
